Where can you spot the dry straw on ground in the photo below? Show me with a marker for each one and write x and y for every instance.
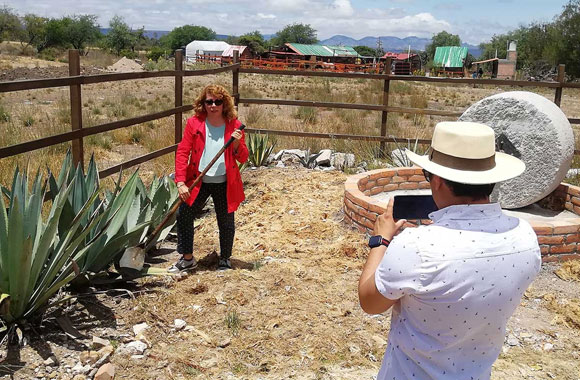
(569, 271)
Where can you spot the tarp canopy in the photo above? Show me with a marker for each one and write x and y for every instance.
(229, 52)
(205, 48)
(450, 56)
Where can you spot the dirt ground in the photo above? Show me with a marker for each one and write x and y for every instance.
(289, 309)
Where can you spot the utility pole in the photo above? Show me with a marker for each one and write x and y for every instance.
(379, 45)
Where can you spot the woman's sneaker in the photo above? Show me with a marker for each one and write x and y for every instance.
(224, 264)
(183, 265)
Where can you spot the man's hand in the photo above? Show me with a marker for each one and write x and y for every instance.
(371, 300)
(183, 191)
(237, 135)
(385, 225)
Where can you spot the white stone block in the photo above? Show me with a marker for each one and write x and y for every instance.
(539, 131)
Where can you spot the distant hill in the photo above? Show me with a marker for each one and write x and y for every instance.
(148, 33)
(390, 43)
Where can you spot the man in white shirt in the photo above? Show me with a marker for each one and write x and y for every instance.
(454, 284)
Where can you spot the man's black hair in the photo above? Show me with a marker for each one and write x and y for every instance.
(473, 191)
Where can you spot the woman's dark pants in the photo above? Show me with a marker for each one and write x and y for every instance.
(225, 220)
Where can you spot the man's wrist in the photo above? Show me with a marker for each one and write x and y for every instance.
(378, 240)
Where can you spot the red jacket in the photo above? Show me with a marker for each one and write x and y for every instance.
(189, 153)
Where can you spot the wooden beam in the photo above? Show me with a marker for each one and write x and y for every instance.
(561, 78)
(342, 136)
(236, 79)
(178, 93)
(29, 146)
(76, 107)
(309, 103)
(136, 161)
(385, 113)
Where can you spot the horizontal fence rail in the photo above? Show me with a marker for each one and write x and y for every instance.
(79, 133)
(76, 81)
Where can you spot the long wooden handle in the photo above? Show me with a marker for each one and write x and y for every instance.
(179, 202)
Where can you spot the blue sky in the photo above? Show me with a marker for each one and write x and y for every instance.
(474, 21)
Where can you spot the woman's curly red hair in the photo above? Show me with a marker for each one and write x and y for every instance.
(229, 111)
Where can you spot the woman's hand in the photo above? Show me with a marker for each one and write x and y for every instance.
(183, 191)
(237, 135)
(385, 225)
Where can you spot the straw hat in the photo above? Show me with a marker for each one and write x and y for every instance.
(464, 152)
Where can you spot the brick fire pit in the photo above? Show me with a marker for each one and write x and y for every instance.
(559, 238)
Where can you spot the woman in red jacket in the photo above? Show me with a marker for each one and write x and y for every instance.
(215, 121)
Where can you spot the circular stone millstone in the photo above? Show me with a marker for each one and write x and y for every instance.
(537, 129)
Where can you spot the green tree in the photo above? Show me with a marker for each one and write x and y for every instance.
(442, 39)
(56, 33)
(181, 36)
(365, 51)
(297, 33)
(497, 45)
(568, 26)
(33, 31)
(120, 37)
(81, 30)
(254, 41)
(10, 25)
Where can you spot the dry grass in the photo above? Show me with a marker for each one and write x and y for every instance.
(567, 310)
(569, 271)
(289, 307)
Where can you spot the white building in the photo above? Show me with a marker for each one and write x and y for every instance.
(215, 48)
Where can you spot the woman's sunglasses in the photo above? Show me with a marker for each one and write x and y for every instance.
(217, 102)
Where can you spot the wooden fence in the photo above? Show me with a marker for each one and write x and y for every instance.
(77, 133)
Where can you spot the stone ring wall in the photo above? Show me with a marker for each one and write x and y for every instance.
(559, 239)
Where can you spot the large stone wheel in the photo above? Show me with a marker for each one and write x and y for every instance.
(534, 129)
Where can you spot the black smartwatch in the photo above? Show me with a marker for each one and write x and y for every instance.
(378, 240)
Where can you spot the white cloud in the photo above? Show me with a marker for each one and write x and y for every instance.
(265, 17)
(342, 8)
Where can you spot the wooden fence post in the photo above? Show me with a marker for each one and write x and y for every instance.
(386, 70)
(561, 77)
(235, 79)
(76, 111)
(178, 93)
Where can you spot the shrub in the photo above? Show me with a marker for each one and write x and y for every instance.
(4, 115)
(155, 53)
(260, 147)
(307, 114)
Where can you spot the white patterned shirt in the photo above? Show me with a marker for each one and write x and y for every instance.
(458, 281)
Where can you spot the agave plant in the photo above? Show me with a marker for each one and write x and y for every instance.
(259, 147)
(128, 214)
(154, 203)
(398, 156)
(36, 259)
(309, 159)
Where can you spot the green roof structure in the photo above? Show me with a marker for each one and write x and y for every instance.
(450, 56)
(323, 50)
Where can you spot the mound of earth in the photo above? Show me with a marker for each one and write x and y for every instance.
(125, 65)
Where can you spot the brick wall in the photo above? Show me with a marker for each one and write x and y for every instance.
(559, 238)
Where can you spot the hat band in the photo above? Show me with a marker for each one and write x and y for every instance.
(459, 163)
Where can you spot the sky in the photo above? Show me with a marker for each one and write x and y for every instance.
(474, 21)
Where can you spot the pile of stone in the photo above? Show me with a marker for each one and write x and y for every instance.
(326, 159)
